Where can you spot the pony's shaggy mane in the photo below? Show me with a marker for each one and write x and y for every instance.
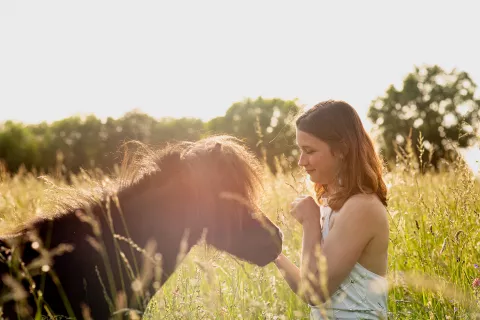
(207, 160)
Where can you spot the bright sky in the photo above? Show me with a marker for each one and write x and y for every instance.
(195, 58)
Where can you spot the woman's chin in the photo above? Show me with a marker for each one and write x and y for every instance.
(313, 178)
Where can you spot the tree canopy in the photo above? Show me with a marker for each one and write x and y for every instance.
(265, 124)
(439, 104)
(88, 142)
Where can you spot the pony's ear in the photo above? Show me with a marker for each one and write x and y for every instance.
(168, 165)
(170, 160)
(218, 147)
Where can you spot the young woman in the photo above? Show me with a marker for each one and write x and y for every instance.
(345, 239)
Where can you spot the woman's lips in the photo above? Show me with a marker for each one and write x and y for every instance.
(310, 171)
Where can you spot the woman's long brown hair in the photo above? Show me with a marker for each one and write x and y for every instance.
(338, 124)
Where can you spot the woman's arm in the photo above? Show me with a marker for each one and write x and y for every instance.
(296, 277)
(290, 272)
(313, 265)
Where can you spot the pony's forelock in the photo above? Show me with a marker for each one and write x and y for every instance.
(224, 162)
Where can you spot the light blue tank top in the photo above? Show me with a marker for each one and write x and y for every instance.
(362, 295)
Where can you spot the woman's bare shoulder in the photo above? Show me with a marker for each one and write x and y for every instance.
(368, 206)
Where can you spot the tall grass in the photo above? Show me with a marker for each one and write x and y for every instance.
(434, 244)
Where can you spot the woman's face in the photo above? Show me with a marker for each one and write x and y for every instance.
(317, 158)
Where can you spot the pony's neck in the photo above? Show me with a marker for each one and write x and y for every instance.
(161, 217)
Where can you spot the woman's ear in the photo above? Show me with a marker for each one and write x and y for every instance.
(338, 154)
(342, 150)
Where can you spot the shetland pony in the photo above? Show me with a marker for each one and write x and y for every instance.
(90, 252)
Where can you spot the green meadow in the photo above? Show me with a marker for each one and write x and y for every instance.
(434, 244)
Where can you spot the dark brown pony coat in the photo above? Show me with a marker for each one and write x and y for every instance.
(93, 250)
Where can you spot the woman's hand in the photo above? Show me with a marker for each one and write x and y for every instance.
(305, 210)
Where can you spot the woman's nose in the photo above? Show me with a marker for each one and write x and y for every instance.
(302, 161)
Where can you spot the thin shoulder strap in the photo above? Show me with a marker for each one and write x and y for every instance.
(326, 222)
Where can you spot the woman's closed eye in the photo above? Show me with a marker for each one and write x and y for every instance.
(305, 150)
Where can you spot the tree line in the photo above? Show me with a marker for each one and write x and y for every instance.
(88, 142)
(436, 107)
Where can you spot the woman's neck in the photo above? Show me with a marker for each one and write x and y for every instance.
(331, 189)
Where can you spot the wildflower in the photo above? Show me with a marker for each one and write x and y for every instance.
(476, 283)
(476, 266)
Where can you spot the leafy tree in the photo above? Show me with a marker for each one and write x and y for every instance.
(43, 135)
(78, 142)
(167, 129)
(18, 146)
(439, 104)
(66, 143)
(139, 126)
(265, 124)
